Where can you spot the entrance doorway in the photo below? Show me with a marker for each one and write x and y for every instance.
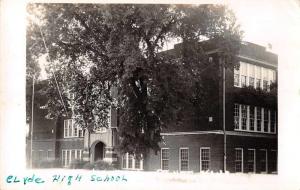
(99, 151)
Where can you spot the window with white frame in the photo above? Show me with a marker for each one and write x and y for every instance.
(165, 158)
(251, 160)
(131, 162)
(251, 118)
(272, 76)
(258, 118)
(137, 163)
(124, 161)
(265, 79)
(266, 120)
(244, 117)
(253, 75)
(184, 159)
(72, 130)
(254, 119)
(236, 116)
(273, 122)
(204, 158)
(263, 162)
(70, 155)
(239, 160)
(243, 77)
(258, 76)
(236, 77)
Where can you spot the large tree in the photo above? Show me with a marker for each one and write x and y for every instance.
(112, 55)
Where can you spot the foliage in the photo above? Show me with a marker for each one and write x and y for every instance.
(251, 96)
(94, 48)
(78, 164)
(39, 98)
(34, 48)
(45, 163)
(99, 165)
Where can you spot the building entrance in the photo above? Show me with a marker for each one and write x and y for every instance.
(99, 151)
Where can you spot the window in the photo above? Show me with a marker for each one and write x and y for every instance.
(71, 130)
(66, 128)
(236, 116)
(263, 161)
(254, 119)
(265, 79)
(251, 160)
(272, 76)
(37, 155)
(137, 163)
(273, 122)
(49, 154)
(165, 159)
(238, 160)
(251, 118)
(258, 77)
(124, 161)
(75, 131)
(131, 162)
(258, 118)
(243, 80)
(204, 159)
(251, 74)
(70, 155)
(251, 81)
(255, 76)
(184, 159)
(258, 83)
(265, 85)
(236, 77)
(243, 69)
(273, 161)
(244, 117)
(266, 120)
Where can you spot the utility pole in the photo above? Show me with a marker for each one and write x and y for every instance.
(224, 111)
(31, 127)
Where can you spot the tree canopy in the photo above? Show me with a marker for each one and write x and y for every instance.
(106, 56)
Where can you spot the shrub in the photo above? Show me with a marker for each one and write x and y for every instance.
(88, 166)
(78, 164)
(99, 165)
(102, 165)
(52, 163)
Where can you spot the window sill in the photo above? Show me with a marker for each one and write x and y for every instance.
(271, 133)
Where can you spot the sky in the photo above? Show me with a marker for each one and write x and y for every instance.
(266, 21)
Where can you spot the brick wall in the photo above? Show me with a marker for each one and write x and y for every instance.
(193, 142)
(246, 143)
(71, 143)
(215, 142)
